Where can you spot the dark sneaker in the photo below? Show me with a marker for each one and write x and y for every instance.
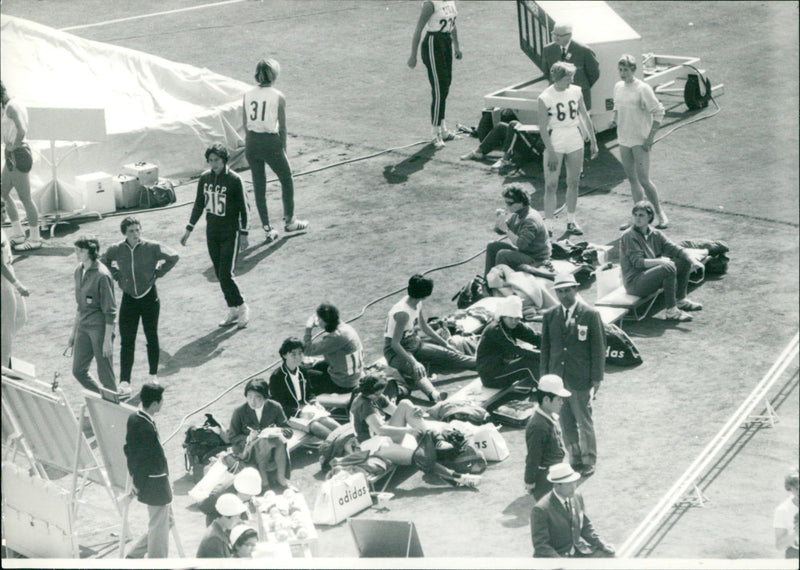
(574, 229)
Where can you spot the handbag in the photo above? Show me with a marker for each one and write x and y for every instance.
(156, 196)
(341, 496)
(487, 440)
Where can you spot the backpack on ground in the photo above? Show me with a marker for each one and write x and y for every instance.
(697, 91)
(473, 291)
(160, 194)
(200, 445)
(464, 457)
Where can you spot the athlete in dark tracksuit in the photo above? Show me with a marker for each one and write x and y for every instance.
(220, 194)
(441, 40)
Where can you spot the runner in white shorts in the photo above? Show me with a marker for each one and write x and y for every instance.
(561, 109)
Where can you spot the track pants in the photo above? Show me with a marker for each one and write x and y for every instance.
(223, 250)
(131, 310)
(89, 345)
(437, 55)
(266, 148)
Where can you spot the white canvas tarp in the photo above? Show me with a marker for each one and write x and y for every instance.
(156, 110)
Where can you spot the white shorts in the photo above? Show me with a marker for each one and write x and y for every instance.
(566, 140)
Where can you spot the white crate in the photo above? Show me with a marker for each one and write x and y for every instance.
(146, 173)
(126, 190)
(97, 192)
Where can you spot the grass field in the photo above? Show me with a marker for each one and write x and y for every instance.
(375, 222)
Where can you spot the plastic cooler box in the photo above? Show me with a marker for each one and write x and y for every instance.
(146, 173)
(97, 192)
(126, 190)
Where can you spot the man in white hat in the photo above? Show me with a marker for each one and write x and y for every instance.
(543, 435)
(560, 527)
(216, 541)
(506, 350)
(574, 348)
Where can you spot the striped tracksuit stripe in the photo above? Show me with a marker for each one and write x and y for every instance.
(437, 55)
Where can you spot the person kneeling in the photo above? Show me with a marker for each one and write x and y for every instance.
(383, 436)
(502, 359)
(253, 443)
(288, 387)
(216, 540)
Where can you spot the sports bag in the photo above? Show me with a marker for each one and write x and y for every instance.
(464, 457)
(620, 350)
(697, 91)
(460, 410)
(199, 445)
(160, 194)
(473, 291)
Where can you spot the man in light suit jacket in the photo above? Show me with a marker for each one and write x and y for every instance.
(582, 57)
(574, 348)
(560, 526)
(148, 467)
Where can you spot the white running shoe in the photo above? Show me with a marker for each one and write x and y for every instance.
(438, 143)
(230, 320)
(270, 234)
(124, 390)
(243, 316)
(468, 480)
(295, 225)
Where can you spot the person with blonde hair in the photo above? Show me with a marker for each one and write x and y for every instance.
(638, 114)
(560, 111)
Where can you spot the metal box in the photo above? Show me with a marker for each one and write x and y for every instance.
(126, 190)
(97, 192)
(146, 173)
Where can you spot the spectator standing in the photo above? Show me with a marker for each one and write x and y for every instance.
(560, 527)
(149, 470)
(638, 115)
(341, 348)
(574, 348)
(16, 172)
(14, 311)
(501, 359)
(407, 353)
(438, 19)
(93, 332)
(526, 231)
(786, 517)
(136, 263)
(564, 48)
(650, 261)
(543, 438)
(220, 194)
(216, 541)
(264, 118)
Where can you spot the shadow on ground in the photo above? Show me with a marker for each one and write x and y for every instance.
(398, 173)
(196, 353)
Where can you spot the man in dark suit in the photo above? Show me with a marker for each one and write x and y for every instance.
(147, 465)
(582, 57)
(560, 527)
(574, 348)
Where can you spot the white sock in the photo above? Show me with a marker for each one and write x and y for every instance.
(18, 231)
(435, 131)
(35, 235)
(443, 127)
(571, 217)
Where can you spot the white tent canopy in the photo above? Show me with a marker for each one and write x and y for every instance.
(156, 110)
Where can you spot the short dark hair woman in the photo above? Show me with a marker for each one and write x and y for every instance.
(340, 346)
(93, 332)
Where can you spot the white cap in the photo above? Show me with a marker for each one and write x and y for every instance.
(248, 481)
(229, 505)
(562, 473)
(552, 384)
(511, 306)
(238, 531)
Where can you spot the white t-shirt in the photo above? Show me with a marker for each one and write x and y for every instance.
(261, 106)
(443, 18)
(413, 317)
(562, 106)
(637, 107)
(7, 125)
(785, 516)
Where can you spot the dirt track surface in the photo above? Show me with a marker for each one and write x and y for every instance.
(375, 222)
